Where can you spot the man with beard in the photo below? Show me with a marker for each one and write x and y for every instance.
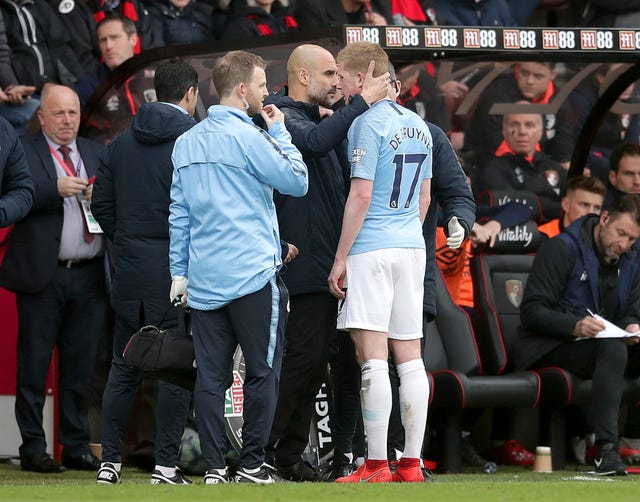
(313, 224)
(590, 267)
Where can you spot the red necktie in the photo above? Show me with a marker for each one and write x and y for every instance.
(66, 158)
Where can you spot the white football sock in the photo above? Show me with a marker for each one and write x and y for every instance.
(375, 396)
(167, 472)
(414, 402)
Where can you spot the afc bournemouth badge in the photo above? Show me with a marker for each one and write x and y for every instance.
(66, 6)
(514, 291)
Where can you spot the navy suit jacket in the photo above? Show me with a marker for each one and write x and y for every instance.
(32, 254)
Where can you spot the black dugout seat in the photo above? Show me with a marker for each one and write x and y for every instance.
(499, 284)
(458, 380)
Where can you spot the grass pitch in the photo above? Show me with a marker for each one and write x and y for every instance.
(508, 484)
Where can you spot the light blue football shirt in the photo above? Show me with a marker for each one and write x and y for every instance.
(392, 147)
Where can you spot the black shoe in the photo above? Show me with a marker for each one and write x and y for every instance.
(217, 476)
(300, 471)
(428, 475)
(607, 461)
(108, 474)
(157, 478)
(41, 462)
(340, 468)
(471, 458)
(86, 462)
(263, 476)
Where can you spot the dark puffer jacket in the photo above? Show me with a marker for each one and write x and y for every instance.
(313, 222)
(131, 201)
(16, 187)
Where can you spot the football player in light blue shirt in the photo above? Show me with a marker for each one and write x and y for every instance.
(379, 265)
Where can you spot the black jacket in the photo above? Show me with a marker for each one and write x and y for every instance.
(131, 202)
(313, 222)
(7, 76)
(255, 21)
(77, 19)
(544, 178)
(450, 191)
(32, 255)
(16, 187)
(316, 14)
(172, 26)
(563, 282)
(600, 12)
(43, 56)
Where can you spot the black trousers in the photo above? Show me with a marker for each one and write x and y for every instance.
(310, 336)
(257, 323)
(347, 428)
(173, 402)
(69, 314)
(607, 361)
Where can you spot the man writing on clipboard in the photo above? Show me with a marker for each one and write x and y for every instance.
(590, 267)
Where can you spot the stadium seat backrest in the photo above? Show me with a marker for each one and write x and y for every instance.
(450, 343)
(499, 282)
(496, 198)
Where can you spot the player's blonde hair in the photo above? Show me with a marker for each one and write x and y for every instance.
(355, 58)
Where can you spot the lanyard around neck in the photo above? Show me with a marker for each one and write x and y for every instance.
(62, 162)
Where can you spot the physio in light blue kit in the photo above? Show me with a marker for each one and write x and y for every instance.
(225, 254)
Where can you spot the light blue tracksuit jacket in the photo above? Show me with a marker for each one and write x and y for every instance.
(223, 227)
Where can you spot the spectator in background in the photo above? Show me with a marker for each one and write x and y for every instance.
(117, 38)
(617, 126)
(614, 13)
(55, 265)
(134, 10)
(314, 15)
(16, 102)
(16, 187)
(175, 22)
(624, 173)
(583, 195)
(40, 52)
(41, 55)
(414, 12)
(250, 18)
(519, 164)
(485, 12)
(78, 21)
(419, 93)
(530, 81)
